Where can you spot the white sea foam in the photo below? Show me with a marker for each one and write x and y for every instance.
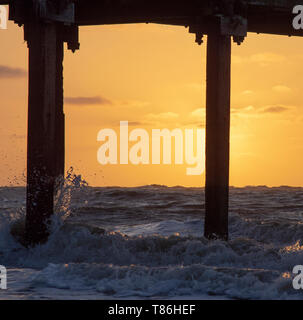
(100, 252)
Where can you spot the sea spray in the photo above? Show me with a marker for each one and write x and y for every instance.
(152, 245)
(62, 200)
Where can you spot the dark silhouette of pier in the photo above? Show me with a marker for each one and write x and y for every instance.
(49, 23)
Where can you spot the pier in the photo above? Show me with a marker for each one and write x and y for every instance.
(48, 24)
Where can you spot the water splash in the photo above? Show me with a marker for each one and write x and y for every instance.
(14, 223)
(62, 200)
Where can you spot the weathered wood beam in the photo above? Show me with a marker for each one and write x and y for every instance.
(264, 16)
(45, 152)
(130, 11)
(217, 135)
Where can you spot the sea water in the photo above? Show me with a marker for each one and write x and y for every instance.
(147, 243)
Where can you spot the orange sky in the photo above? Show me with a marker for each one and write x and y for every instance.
(154, 76)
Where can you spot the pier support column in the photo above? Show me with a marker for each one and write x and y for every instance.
(45, 149)
(217, 135)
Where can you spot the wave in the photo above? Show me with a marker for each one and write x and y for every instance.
(108, 244)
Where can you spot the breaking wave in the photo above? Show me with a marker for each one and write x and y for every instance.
(147, 243)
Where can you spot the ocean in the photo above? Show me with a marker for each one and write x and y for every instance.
(147, 243)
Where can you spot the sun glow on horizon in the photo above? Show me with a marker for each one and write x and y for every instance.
(154, 77)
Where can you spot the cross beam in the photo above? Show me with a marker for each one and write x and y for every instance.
(264, 16)
(49, 23)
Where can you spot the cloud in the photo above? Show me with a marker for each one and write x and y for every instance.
(97, 100)
(281, 88)
(133, 103)
(198, 113)
(267, 57)
(199, 124)
(274, 109)
(263, 59)
(251, 111)
(247, 92)
(162, 116)
(249, 108)
(136, 123)
(9, 72)
(247, 111)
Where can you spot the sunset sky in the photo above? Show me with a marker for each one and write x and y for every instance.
(154, 77)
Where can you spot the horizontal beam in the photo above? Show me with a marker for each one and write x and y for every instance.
(273, 17)
(264, 16)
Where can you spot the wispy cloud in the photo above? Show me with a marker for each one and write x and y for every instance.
(9, 72)
(162, 116)
(137, 123)
(274, 109)
(251, 111)
(198, 113)
(132, 103)
(247, 92)
(281, 88)
(263, 59)
(96, 100)
(267, 57)
(192, 124)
